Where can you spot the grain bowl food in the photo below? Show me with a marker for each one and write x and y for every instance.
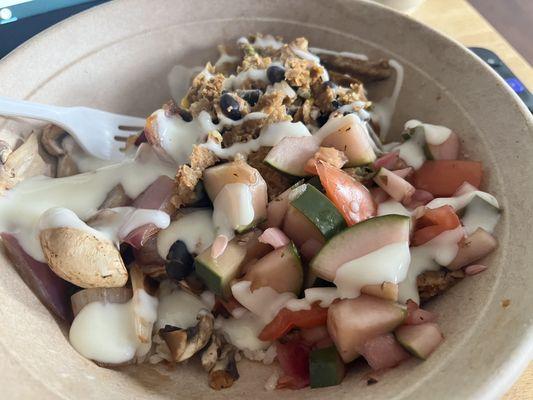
(265, 214)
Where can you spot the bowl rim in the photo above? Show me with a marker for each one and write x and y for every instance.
(500, 379)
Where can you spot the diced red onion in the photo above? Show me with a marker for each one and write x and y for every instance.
(219, 245)
(156, 197)
(53, 291)
(274, 237)
(387, 160)
(475, 269)
(383, 352)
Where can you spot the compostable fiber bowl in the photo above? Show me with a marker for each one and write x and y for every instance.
(117, 57)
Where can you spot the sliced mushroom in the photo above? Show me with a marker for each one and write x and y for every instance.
(176, 340)
(211, 353)
(52, 139)
(155, 271)
(117, 197)
(143, 327)
(225, 372)
(82, 258)
(184, 343)
(5, 151)
(105, 295)
(23, 163)
(66, 166)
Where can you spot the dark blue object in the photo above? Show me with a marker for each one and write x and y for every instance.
(29, 17)
(503, 70)
(515, 84)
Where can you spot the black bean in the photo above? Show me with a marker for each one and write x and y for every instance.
(322, 119)
(250, 96)
(179, 261)
(335, 104)
(275, 73)
(230, 107)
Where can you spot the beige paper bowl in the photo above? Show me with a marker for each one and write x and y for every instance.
(117, 56)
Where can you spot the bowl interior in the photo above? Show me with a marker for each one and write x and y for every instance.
(117, 57)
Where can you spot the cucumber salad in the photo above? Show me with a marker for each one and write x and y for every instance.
(268, 212)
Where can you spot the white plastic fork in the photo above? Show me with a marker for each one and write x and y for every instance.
(99, 133)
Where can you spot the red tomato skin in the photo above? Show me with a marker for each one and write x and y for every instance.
(351, 198)
(286, 320)
(443, 177)
(433, 223)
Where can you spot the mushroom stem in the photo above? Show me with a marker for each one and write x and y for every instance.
(211, 353)
(224, 372)
(184, 343)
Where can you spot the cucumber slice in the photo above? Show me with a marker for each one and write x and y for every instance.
(325, 367)
(419, 340)
(350, 136)
(280, 269)
(218, 273)
(352, 322)
(319, 210)
(359, 240)
(311, 215)
(291, 154)
(480, 214)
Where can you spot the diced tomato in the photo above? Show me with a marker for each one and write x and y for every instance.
(293, 358)
(433, 223)
(286, 320)
(443, 177)
(351, 198)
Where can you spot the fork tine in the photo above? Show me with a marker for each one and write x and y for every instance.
(127, 121)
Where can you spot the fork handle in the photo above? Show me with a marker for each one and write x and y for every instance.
(21, 108)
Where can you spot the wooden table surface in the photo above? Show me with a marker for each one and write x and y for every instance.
(459, 20)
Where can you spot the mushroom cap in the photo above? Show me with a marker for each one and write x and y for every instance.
(82, 258)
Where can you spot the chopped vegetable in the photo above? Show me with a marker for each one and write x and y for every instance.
(293, 358)
(280, 269)
(388, 160)
(277, 208)
(447, 150)
(417, 316)
(443, 177)
(325, 367)
(386, 290)
(274, 237)
(419, 340)
(349, 135)
(291, 155)
(53, 291)
(350, 197)
(217, 273)
(383, 351)
(359, 240)
(479, 213)
(311, 215)
(395, 186)
(352, 322)
(215, 178)
(82, 258)
(433, 222)
(156, 197)
(473, 248)
(286, 320)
